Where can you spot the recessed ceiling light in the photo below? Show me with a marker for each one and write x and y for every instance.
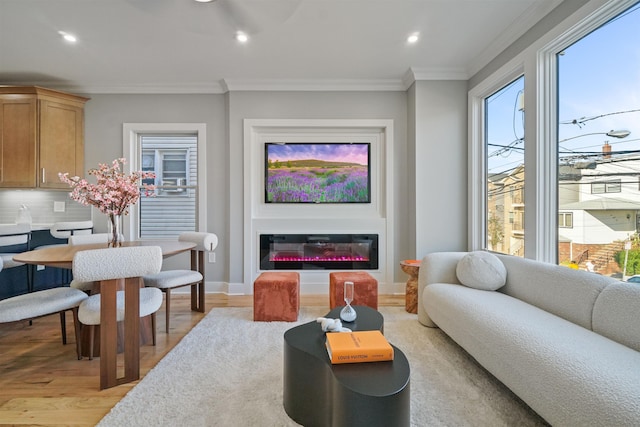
(242, 37)
(413, 38)
(204, 1)
(68, 37)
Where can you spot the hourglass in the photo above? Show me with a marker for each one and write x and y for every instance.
(348, 314)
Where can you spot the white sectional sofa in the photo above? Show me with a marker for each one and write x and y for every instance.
(567, 342)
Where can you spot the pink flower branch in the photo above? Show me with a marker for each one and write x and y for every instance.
(113, 191)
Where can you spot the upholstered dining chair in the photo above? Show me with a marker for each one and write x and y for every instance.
(44, 303)
(16, 238)
(85, 239)
(171, 279)
(66, 229)
(118, 268)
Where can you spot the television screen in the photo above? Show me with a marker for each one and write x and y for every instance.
(317, 173)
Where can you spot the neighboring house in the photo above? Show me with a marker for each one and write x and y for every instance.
(505, 208)
(599, 204)
(599, 208)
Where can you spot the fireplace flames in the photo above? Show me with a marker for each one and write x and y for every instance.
(294, 258)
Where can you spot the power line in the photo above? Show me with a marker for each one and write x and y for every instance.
(581, 121)
(625, 141)
(505, 148)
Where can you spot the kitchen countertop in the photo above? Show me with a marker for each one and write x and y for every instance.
(36, 227)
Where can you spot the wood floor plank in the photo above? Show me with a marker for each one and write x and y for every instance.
(43, 384)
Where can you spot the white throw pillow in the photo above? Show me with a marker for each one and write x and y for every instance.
(481, 270)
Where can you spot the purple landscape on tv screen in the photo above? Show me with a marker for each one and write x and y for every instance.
(317, 173)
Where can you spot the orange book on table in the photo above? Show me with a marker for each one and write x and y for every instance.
(357, 347)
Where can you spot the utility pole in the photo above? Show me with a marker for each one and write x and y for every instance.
(627, 246)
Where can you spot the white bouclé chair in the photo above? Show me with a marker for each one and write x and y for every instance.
(171, 279)
(117, 268)
(44, 303)
(15, 238)
(89, 239)
(86, 239)
(66, 229)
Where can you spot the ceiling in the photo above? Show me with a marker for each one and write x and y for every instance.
(181, 46)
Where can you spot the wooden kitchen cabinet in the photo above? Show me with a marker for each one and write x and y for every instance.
(41, 134)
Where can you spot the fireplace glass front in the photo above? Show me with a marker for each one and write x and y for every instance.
(318, 251)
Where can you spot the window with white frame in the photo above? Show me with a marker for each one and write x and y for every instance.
(597, 112)
(171, 166)
(175, 153)
(606, 187)
(504, 141)
(551, 158)
(172, 211)
(565, 219)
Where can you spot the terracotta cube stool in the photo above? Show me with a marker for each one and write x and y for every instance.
(276, 297)
(365, 288)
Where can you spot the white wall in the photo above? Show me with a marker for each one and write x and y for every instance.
(310, 105)
(440, 165)
(436, 157)
(104, 117)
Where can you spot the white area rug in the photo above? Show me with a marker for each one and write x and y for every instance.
(228, 372)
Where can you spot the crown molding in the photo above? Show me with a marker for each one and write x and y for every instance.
(313, 85)
(513, 32)
(236, 85)
(150, 89)
(416, 74)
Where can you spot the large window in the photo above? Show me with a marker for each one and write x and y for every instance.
(176, 153)
(582, 110)
(598, 156)
(504, 138)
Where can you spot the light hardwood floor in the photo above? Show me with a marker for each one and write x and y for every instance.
(43, 384)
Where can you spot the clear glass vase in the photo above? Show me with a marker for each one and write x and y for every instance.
(114, 227)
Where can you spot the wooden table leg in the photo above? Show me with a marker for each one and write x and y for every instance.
(132, 330)
(197, 290)
(109, 332)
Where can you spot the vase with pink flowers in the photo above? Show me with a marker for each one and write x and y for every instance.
(113, 193)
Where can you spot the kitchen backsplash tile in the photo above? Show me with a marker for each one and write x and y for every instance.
(40, 203)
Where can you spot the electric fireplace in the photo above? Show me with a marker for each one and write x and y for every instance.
(318, 251)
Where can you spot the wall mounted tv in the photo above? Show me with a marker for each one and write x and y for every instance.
(301, 172)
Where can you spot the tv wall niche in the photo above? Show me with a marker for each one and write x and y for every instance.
(315, 172)
(370, 214)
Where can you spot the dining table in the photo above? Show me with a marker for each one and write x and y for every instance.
(61, 256)
(114, 337)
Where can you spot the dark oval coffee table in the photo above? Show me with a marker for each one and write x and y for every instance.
(317, 393)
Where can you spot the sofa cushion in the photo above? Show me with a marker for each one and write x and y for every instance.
(562, 291)
(616, 314)
(481, 270)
